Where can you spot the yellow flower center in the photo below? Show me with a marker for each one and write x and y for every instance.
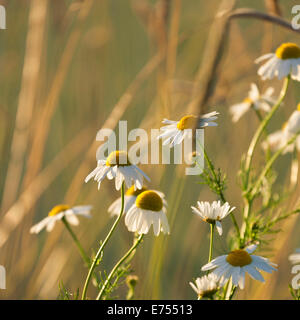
(119, 158)
(239, 258)
(284, 125)
(57, 209)
(288, 51)
(248, 100)
(187, 122)
(149, 200)
(209, 220)
(298, 106)
(132, 192)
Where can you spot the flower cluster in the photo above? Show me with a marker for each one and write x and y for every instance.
(232, 267)
(143, 208)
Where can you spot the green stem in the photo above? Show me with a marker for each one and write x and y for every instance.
(251, 149)
(269, 165)
(211, 245)
(225, 290)
(260, 118)
(232, 293)
(256, 187)
(220, 192)
(117, 266)
(84, 256)
(98, 254)
(261, 129)
(228, 290)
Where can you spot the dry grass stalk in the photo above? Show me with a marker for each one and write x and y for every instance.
(27, 99)
(51, 103)
(17, 212)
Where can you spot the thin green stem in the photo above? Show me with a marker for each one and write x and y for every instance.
(211, 245)
(225, 290)
(117, 266)
(251, 150)
(261, 129)
(220, 192)
(99, 252)
(228, 289)
(257, 185)
(84, 256)
(232, 292)
(269, 165)
(260, 118)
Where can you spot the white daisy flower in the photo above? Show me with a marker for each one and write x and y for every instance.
(295, 257)
(129, 200)
(213, 213)
(118, 166)
(149, 208)
(174, 132)
(285, 61)
(206, 286)
(255, 99)
(236, 263)
(58, 213)
(279, 138)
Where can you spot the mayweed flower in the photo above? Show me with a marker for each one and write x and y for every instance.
(175, 132)
(58, 213)
(279, 138)
(149, 208)
(129, 200)
(206, 286)
(285, 61)
(295, 257)
(213, 213)
(255, 99)
(118, 166)
(236, 263)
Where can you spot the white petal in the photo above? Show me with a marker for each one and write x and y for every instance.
(219, 227)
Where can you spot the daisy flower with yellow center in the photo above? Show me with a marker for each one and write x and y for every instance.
(285, 61)
(256, 100)
(149, 209)
(175, 131)
(129, 200)
(236, 263)
(118, 166)
(295, 257)
(58, 213)
(213, 213)
(206, 286)
(279, 138)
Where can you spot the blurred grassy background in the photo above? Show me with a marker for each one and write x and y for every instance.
(69, 68)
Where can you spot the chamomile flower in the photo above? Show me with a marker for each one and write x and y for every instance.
(129, 200)
(118, 166)
(295, 257)
(279, 138)
(206, 286)
(285, 61)
(175, 131)
(149, 209)
(58, 213)
(213, 213)
(236, 263)
(255, 99)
